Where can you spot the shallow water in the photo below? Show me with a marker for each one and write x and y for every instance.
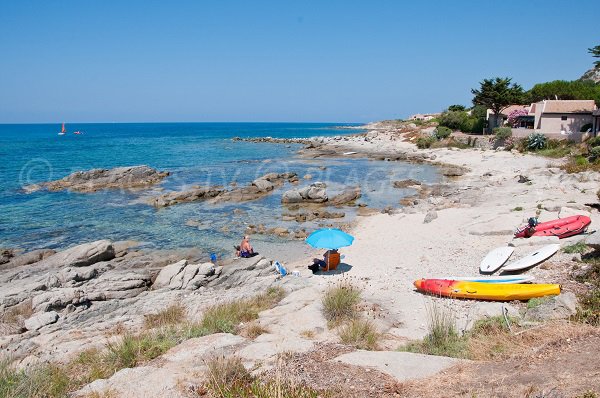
(195, 154)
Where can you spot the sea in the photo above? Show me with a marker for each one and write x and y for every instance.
(194, 154)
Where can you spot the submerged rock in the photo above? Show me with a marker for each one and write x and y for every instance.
(97, 179)
(406, 183)
(347, 196)
(190, 195)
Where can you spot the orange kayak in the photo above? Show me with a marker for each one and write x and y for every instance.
(485, 291)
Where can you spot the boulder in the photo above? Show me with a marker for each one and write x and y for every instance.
(191, 195)
(314, 193)
(557, 307)
(40, 320)
(568, 212)
(430, 216)
(263, 184)
(292, 196)
(82, 255)
(593, 240)
(167, 273)
(453, 171)
(347, 196)
(97, 179)
(6, 255)
(203, 272)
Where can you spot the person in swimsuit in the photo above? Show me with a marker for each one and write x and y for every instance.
(246, 249)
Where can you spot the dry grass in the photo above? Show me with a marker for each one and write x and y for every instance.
(340, 302)
(226, 317)
(253, 330)
(360, 333)
(172, 315)
(227, 378)
(17, 314)
(308, 333)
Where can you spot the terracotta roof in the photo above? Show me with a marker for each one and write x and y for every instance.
(568, 106)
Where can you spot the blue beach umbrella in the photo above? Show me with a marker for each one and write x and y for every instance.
(329, 238)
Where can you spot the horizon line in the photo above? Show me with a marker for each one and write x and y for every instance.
(181, 122)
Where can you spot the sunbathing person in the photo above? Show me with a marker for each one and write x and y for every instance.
(246, 249)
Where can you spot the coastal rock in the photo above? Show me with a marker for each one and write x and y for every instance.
(430, 216)
(169, 272)
(453, 171)
(97, 179)
(406, 183)
(314, 193)
(190, 195)
(313, 215)
(6, 255)
(259, 188)
(40, 320)
(82, 255)
(557, 307)
(347, 196)
(593, 240)
(568, 212)
(31, 257)
(117, 284)
(56, 299)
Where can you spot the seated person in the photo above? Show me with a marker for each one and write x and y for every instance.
(246, 250)
(330, 256)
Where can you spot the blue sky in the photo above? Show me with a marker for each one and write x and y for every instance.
(338, 61)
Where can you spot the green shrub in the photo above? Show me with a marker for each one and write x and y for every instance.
(579, 247)
(595, 153)
(442, 132)
(593, 142)
(453, 119)
(425, 142)
(360, 333)
(340, 302)
(502, 133)
(536, 141)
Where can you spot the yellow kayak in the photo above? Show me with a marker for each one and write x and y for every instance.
(485, 291)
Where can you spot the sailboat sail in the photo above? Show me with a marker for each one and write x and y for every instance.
(63, 130)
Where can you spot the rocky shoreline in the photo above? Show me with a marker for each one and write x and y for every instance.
(55, 305)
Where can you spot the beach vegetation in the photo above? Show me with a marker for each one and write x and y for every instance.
(340, 302)
(227, 317)
(565, 90)
(502, 133)
(536, 141)
(360, 333)
(425, 142)
(253, 330)
(442, 132)
(459, 119)
(589, 302)
(579, 247)
(536, 302)
(518, 208)
(497, 94)
(172, 315)
(226, 377)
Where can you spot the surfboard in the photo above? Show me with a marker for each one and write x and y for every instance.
(495, 259)
(492, 279)
(532, 259)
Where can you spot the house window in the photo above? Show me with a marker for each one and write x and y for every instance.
(563, 118)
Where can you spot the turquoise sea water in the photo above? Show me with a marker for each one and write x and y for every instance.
(195, 154)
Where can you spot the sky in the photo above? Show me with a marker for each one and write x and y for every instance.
(304, 61)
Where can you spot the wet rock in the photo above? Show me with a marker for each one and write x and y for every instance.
(97, 179)
(307, 177)
(82, 255)
(313, 215)
(406, 183)
(191, 195)
(40, 320)
(6, 255)
(347, 196)
(259, 188)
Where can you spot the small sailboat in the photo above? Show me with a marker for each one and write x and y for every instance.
(78, 132)
(63, 131)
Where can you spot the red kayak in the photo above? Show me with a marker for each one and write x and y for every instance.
(563, 227)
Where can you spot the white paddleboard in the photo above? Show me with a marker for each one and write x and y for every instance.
(495, 259)
(532, 259)
(493, 279)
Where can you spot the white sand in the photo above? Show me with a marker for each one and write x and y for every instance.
(390, 252)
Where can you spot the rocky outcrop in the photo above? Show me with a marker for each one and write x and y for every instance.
(314, 193)
(346, 197)
(592, 74)
(313, 215)
(97, 179)
(406, 183)
(557, 307)
(194, 194)
(6, 255)
(82, 255)
(182, 275)
(275, 140)
(259, 188)
(30, 257)
(40, 320)
(453, 171)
